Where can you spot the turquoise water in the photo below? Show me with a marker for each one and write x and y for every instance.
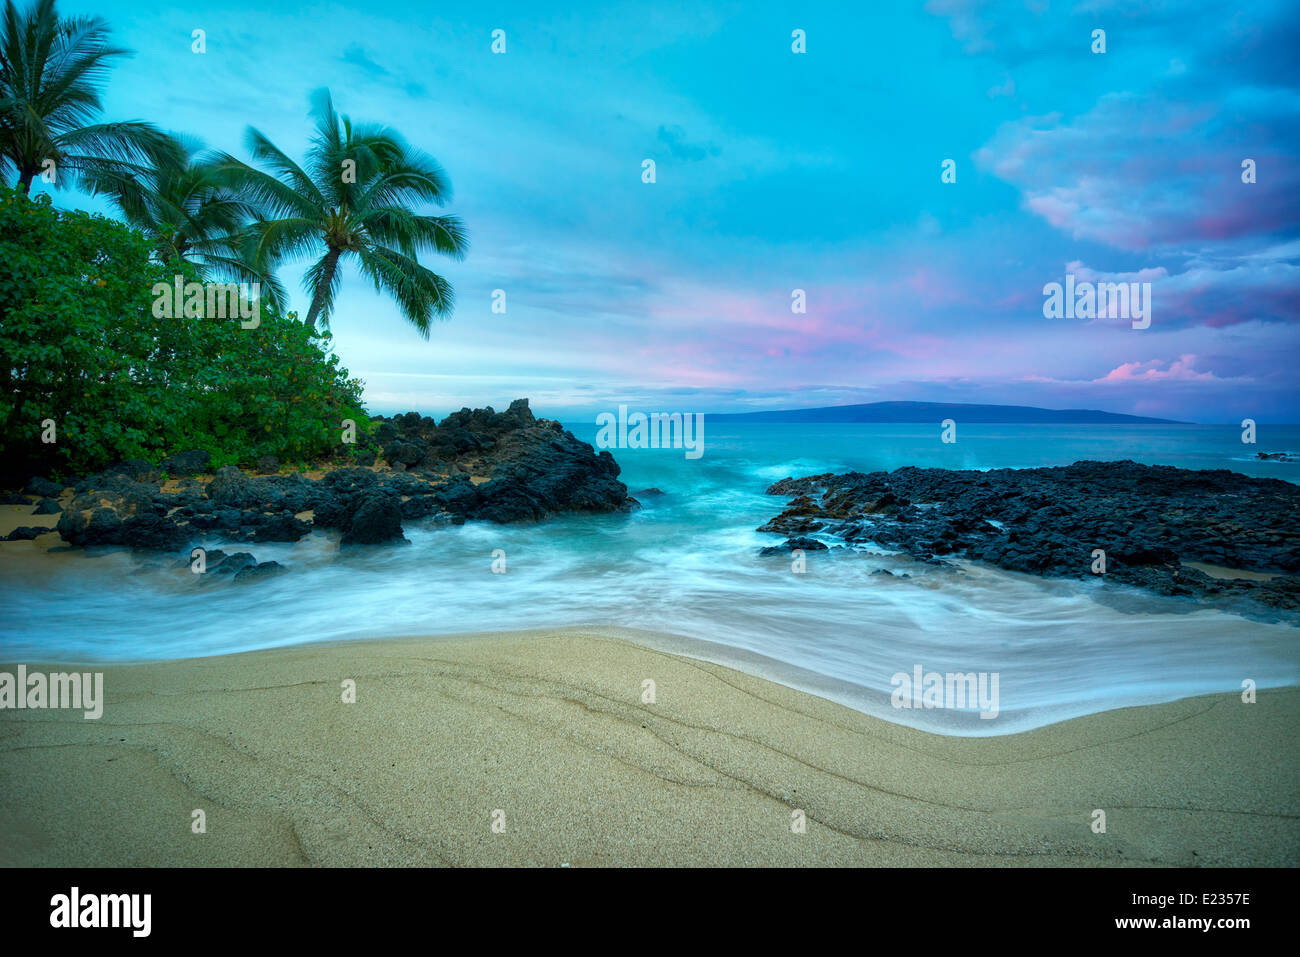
(688, 564)
(766, 449)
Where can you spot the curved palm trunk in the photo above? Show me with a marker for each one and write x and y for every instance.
(323, 287)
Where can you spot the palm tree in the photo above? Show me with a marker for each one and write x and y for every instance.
(354, 200)
(190, 212)
(51, 72)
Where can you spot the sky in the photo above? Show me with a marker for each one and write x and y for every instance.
(778, 171)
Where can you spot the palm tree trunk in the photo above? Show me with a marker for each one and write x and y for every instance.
(323, 287)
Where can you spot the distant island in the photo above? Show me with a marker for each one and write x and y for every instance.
(938, 411)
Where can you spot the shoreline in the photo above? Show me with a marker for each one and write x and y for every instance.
(870, 702)
(550, 727)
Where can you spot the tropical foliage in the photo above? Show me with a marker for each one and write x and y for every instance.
(51, 72)
(80, 347)
(191, 214)
(352, 202)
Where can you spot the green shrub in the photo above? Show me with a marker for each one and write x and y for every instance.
(80, 345)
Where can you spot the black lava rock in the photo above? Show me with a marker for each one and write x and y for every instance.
(259, 571)
(43, 487)
(1149, 521)
(476, 464)
(377, 519)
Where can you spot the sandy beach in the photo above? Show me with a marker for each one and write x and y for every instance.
(538, 749)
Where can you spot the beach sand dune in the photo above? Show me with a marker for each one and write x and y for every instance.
(538, 749)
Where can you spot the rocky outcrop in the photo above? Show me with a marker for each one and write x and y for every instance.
(476, 465)
(1149, 520)
(791, 544)
(44, 488)
(374, 519)
(238, 567)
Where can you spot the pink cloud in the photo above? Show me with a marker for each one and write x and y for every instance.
(1128, 174)
(1180, 370)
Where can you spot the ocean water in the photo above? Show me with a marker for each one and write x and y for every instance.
(687, 564)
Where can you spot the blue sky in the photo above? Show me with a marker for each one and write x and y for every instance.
(779, 171)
